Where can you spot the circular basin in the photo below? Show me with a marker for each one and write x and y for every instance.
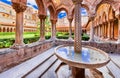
(89, 57)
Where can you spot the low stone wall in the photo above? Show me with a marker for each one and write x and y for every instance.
(107, 47)
(11, 57)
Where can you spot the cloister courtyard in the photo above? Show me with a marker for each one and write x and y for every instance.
(99, 20)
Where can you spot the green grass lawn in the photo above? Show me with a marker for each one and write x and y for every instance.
(7, 35)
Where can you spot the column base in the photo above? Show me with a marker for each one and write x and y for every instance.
(91, 40)
(78, 72)
(41, 39)
(118, 42)
(70, 38)
(17, 46)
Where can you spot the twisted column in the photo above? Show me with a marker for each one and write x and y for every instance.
(19, 7)
(42, 27)
(53, 29)
(78, 28)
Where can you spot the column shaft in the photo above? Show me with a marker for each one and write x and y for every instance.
(53, 36)
(78, 28)
(70, 29)
(19, 8)
(118, 41)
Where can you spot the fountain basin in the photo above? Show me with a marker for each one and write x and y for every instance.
(89, 57)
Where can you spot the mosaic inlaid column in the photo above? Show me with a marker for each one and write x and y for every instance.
(70, 28)
(19, 8)
(92, 29)
(53, 22)
(42, 27)
(78, 28)
(118, 41)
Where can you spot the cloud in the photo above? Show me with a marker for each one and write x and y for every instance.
(31, 2)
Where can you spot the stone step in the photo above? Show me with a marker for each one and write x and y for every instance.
(22, 69)
(51, 72)
(42, 68)
(115, 71)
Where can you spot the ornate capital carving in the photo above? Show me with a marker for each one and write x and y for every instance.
(118, 16)
(19, 7)
(53, 21)
(77, 1)
(42, 16)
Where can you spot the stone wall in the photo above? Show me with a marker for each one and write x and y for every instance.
(11, 57)
(107, 47)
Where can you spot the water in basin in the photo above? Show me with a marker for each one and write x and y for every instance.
(87, 55)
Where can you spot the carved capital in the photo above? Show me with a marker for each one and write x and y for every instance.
(53, 21)
(19, 7)
(77, 1)
(42, 16)
(118, 16)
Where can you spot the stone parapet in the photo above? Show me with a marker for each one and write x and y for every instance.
(12, 57)
(107, 47)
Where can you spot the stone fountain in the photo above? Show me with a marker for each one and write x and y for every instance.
(80, 57)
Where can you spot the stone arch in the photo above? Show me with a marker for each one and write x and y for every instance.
(104, 17)
(111, 13)
(10, 29)
(41, 7)
(51, 10)
(4, 29)
(100, 20)
(62, 8)
(111, 3)
(7, 29)
(71, 12)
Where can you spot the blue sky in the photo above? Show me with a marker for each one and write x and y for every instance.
(32, 3)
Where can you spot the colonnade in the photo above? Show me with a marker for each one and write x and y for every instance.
(109, 30)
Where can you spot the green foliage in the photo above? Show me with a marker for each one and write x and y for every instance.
(85, 37)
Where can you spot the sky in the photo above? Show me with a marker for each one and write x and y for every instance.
(32, 3)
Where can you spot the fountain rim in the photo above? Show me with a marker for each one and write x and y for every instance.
(82, 64)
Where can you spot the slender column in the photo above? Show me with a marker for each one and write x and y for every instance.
(118, 41)
(109, 31)
(112, 30)
(105, 29)
(99, 31)
(92, 29)
(78, 28)
(42, 27)
(19, 8)
(70, 28)
(53, 36)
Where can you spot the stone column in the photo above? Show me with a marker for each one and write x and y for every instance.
(19, 8)
(78, 28)
(99, 31)
(118, 41)
(103, 30)
(70, 28)
(53, 22)
(92, 29)
(42, 27)
(112, 30)
(109, 30)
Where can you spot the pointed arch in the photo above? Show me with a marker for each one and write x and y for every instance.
(51, 10)
(41, 7)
